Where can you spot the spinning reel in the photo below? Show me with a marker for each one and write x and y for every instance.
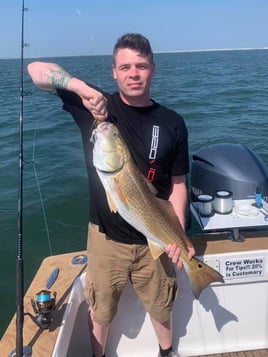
(43, 306)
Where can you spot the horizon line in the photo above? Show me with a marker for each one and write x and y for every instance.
(155, 52)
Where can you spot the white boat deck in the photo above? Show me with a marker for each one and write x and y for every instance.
(207, 327)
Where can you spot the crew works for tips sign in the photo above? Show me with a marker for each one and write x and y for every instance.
(244, 268)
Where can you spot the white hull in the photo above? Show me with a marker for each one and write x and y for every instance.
(229, 317)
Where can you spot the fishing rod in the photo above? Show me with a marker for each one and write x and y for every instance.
(21, 351)
(44, 303)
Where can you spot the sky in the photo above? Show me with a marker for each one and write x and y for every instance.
(89, 27)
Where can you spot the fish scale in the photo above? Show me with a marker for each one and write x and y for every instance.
(134, 198)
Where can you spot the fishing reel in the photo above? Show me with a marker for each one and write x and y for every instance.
(43, 306)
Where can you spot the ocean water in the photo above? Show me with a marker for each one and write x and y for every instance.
(222, 95)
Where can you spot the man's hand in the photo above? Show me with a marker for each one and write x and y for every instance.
(173, 251)
(93, 100)
(96, 104)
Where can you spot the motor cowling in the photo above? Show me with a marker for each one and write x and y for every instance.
(231, 167)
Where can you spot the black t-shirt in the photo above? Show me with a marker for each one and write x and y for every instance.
(157, 139)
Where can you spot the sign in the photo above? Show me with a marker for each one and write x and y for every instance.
(244, 268)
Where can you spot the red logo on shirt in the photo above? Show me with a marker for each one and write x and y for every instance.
(151, 174)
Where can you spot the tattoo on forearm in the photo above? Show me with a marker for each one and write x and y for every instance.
(60, 78)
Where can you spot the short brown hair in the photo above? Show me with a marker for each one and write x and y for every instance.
(136, 42)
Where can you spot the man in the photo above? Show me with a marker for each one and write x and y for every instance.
(157, 139)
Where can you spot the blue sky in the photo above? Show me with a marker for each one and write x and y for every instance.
(85, 27)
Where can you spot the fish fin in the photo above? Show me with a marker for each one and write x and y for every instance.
(167, 205)
(119, 192)
(111, 203)
(200, 275)
(155, 249)
(112, 186)
(170, 212)
(151, 187)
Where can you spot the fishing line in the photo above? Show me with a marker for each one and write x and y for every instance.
(40, 193)
(33, 163)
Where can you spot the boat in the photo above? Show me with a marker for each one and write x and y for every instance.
(227, 320)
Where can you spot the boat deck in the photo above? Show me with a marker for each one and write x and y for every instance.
(43, 341)
(257, 353)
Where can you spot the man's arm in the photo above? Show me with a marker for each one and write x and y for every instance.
(50, 76)
(179, 198)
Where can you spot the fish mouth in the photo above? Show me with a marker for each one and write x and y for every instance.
(109, 172)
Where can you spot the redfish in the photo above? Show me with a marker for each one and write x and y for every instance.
(134, 198)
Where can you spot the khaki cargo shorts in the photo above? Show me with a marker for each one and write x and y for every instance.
(112, 263)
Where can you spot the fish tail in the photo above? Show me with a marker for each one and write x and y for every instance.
(200, 275)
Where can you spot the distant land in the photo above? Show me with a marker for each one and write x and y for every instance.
(174, 51)
(216, 49)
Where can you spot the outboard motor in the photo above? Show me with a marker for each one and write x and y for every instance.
(231, 167)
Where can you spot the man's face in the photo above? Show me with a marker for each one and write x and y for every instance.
(133, 73)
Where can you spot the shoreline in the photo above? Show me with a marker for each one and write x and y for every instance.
(155, 52)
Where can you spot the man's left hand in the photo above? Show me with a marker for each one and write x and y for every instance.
(174, 252)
